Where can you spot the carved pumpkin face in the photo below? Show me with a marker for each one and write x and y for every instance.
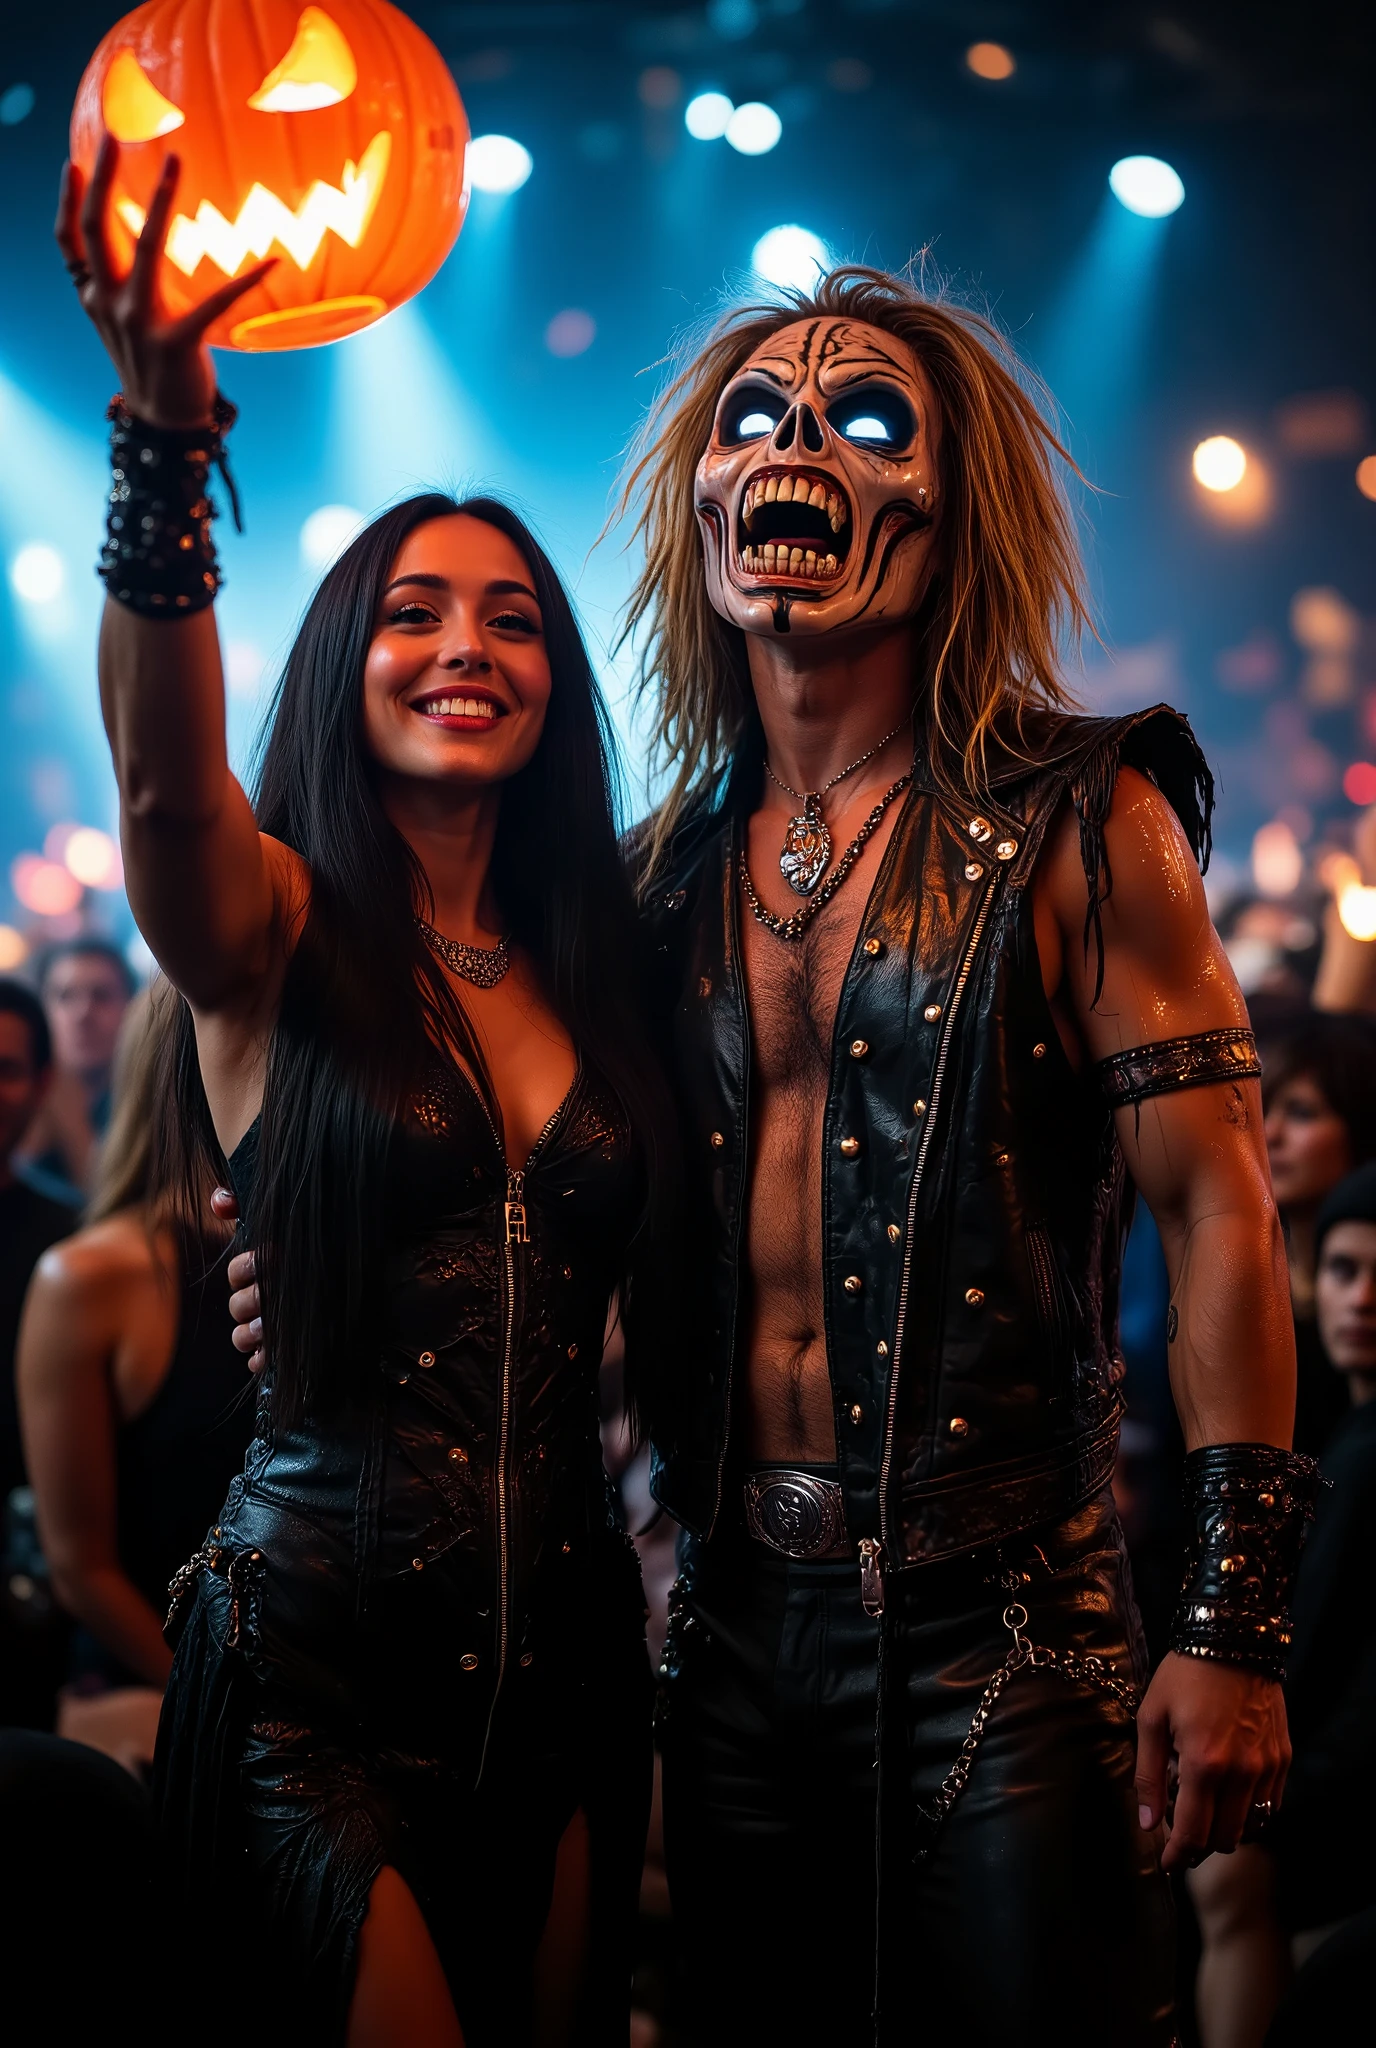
(331, 137)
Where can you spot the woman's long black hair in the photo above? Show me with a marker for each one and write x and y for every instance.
(365, 1002)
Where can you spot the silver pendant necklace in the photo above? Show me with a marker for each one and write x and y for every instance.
(483, 966)
(807, 841)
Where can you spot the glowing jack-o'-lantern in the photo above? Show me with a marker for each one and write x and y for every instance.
(330, 137)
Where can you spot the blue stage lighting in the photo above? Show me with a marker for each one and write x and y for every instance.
(754, 128)
(706, 115)
(791, 257)
(497, 163)
(1147, 186)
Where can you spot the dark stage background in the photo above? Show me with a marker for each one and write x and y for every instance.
(527, 362)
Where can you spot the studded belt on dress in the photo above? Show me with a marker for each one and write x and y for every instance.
(797, 1514)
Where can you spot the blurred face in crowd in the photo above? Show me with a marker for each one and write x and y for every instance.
(1345, 1302)
(1308, 1143)
(21, 1085)
(85, 997)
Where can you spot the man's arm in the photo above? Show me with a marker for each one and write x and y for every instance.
(1198, 1156)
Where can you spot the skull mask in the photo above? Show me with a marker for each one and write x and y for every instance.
(817, 492)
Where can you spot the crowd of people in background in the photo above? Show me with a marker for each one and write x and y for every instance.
(124, 1411)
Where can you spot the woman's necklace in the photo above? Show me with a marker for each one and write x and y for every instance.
(793, 927)
(807, 842)
(484, 966)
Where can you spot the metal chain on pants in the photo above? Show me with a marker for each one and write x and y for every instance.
(1024, 1656)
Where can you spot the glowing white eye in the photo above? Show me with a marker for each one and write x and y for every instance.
(866, 428)
(757, 423)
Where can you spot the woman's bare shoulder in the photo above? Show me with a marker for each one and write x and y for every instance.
(106, 1255)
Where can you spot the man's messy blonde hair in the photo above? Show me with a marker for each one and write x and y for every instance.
(1009, 586)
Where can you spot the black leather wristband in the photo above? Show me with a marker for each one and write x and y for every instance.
(159, 558)
(1173, 1063)
(1249, 1505)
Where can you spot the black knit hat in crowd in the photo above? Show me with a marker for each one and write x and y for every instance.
(1353, 1200)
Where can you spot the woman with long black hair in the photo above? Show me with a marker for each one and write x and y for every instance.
(407, 1724)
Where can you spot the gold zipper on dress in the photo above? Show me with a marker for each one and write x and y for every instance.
(872, 1563)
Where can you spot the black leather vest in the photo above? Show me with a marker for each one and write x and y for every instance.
(971, 1244)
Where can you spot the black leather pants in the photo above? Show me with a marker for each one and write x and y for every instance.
(1035, 1912)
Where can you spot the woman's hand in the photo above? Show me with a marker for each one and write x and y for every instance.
(245, 1302)
(163, 365)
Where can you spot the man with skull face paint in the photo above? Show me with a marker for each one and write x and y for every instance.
(938, 987)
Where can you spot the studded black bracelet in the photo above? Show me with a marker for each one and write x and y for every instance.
(159, 558)
(1248, 1505)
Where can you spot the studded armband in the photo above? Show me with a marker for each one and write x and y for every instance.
(1248, 1506)
(159, 557)
(1178, 1063)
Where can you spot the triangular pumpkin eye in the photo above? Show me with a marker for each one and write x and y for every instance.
(317, 71)
(131, 105)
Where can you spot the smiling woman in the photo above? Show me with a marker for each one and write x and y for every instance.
(409, 1038)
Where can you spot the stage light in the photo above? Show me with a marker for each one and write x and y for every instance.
(326, 533)
(570, 333)
(1366, 476)
(1220, 463)
(16, 104)
(754, 128)
(791, 257)
(1147, 186)
(1277, 862)
(990, 60)
(57, 839)
(14, 950)
(43, 886)
(706, 115)
(93, 857)
(497, 163)
(37, 573)
(1359, 784)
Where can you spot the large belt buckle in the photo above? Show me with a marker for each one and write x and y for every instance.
(795, 1514)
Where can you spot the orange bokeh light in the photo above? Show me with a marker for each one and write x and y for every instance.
(43, 886)
(991, 60)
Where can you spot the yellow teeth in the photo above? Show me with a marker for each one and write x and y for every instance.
(801, 563)
(461, 707)
(799, 490)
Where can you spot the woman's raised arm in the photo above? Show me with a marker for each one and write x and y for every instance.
(207, 890)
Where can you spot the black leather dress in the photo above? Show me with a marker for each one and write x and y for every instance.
(415, 1636)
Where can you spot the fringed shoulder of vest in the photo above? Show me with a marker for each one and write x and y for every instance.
(1056, 752)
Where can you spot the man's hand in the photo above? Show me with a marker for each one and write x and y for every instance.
(1225, 1729)
(245, 1305)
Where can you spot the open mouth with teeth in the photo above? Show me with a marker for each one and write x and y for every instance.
(793, 523)
(465, 711)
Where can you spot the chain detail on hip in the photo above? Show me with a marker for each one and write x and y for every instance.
(1024, 1656)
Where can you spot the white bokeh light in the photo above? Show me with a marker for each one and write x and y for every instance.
(93, 857)
(497, 163)
(1220, 463)
(245, 666)
(326, 533)
(754, 128)
(38, 573)
(1146, 185)
(791, 256)
(706, 115)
